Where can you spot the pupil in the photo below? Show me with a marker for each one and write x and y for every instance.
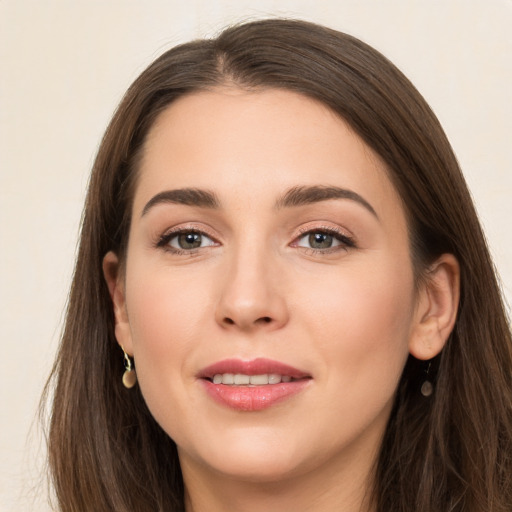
(189, 240)
(320, 240)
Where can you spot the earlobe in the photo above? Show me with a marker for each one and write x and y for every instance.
(112, 273)
(437, 305)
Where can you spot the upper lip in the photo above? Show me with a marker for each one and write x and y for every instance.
(258, 366)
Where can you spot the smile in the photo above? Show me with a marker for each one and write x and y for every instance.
(239, 379)
(252, 385)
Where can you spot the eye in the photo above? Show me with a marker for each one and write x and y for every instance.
(323, 240)
(186, 240)
(317, 240)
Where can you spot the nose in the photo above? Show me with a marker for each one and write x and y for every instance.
(253, 294)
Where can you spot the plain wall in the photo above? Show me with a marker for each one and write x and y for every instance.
(63, 68)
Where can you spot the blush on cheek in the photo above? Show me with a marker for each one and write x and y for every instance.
(162, 310)
(370, 319)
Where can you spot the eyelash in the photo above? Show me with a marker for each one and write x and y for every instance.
(346, 242)
(164, 241)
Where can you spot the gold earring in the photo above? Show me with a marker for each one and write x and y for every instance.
(129, 375)
(427, 388)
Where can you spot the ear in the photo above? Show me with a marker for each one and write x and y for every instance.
(436, 308)
(114, 277)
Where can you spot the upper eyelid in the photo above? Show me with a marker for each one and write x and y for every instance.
(163, 241)
(192, 227)
(335, 230)
(346, 238)
(328, 229)
(299, 233)
(173, 234)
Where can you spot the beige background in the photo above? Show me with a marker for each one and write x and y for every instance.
(64, 66)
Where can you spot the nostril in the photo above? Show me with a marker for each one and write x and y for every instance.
(263, 319)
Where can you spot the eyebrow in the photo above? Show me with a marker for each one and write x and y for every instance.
(300, 196)
(185, 196)
(296, 196)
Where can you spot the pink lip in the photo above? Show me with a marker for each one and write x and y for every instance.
(256, 398)
(257, 366)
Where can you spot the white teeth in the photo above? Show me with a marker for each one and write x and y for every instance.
(259, 380)
(240, 379)
(274, 378)
(228, 378)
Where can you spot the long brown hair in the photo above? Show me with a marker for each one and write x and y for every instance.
(451, 451)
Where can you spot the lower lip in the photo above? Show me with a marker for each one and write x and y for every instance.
(253, 398)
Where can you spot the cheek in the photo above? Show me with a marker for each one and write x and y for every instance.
(362, 324)
(165, 315)
(164, 307)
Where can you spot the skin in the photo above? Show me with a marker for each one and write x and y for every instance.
(348, 315)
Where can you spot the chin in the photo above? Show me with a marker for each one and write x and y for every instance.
(258, 469)
(253, 457)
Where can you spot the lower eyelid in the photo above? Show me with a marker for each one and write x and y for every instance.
(343, 239)
(175, 235)
(171, 233)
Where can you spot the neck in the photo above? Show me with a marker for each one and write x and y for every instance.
(340, 487)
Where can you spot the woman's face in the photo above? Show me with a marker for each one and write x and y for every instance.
(267, 248)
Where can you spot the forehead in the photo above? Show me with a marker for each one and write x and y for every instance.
(236, 141)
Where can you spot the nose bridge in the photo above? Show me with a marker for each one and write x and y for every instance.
(252, 294)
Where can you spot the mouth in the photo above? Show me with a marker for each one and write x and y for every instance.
(252, 385)
(240, 379)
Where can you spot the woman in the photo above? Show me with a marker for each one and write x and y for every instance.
(282, 264)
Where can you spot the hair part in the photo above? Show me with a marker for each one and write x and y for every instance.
(448, 452)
